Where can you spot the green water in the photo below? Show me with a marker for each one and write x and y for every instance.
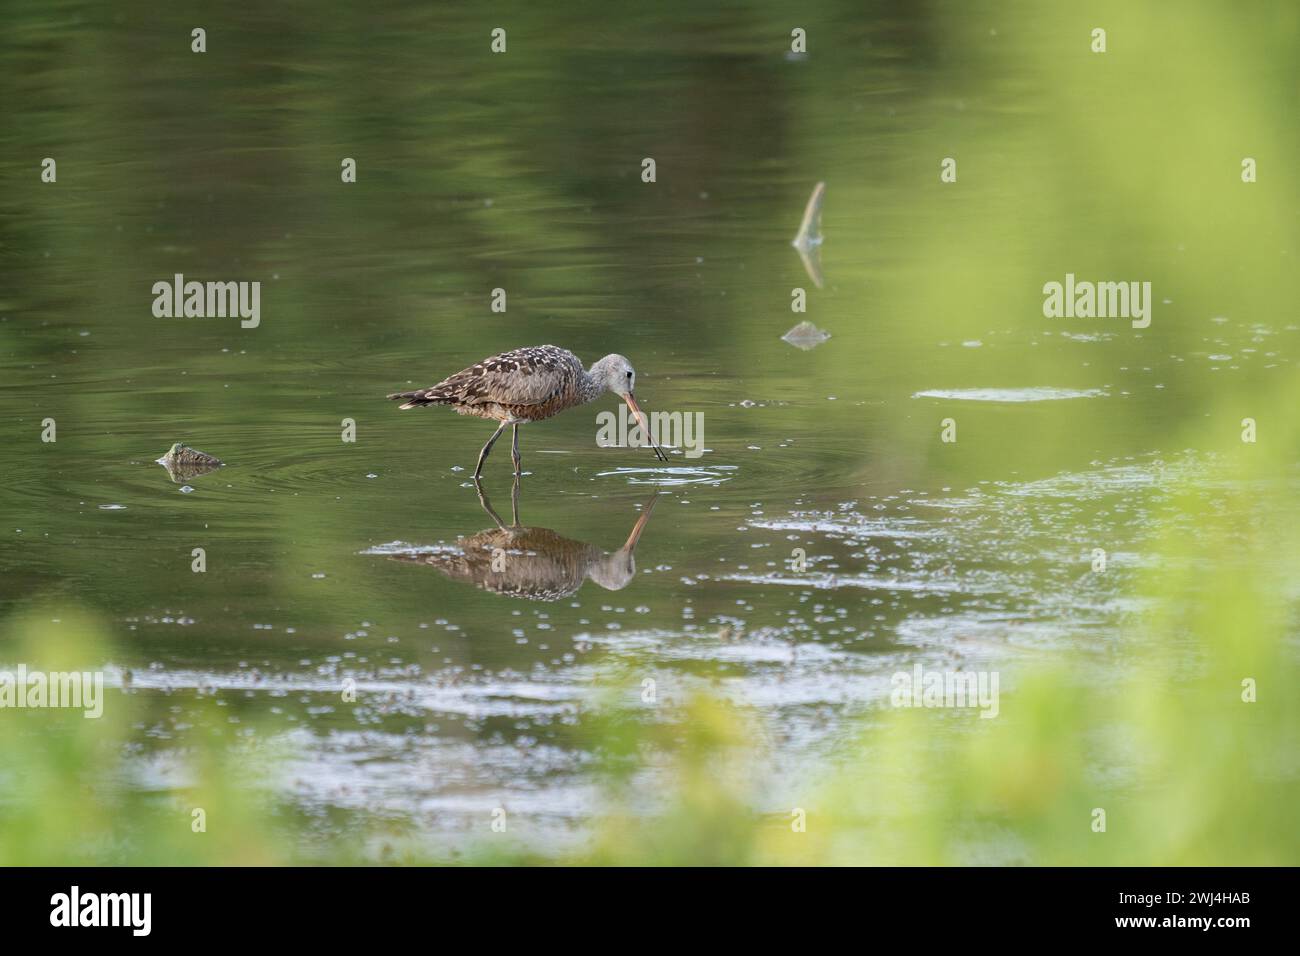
(522, 171)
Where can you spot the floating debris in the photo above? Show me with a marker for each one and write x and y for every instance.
(808, 239)
(809, 233)
(183, 462)
(805, 336)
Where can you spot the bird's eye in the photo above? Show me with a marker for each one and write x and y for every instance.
(629, 376)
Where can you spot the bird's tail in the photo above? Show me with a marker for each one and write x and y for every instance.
(421, 396)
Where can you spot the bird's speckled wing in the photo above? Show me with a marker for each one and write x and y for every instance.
(527, 376)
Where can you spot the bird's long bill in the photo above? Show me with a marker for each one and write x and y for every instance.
(641, 521)
(645, 425)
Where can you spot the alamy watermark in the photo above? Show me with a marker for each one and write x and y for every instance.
(684, 430)
(64, 689)
(208, 300)
(1098, 300)
(75, 908)
(922, 688)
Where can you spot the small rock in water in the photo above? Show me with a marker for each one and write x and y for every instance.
(805, 336)
(183, 462)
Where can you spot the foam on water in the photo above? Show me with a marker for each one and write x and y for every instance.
(1042, 394)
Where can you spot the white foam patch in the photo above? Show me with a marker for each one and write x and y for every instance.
(402, 547)
(1043, 394)
(872, 582)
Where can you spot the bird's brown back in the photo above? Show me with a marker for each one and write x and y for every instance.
(528, 384)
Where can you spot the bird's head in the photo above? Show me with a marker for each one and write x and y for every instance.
(616, 374)
(613, 571)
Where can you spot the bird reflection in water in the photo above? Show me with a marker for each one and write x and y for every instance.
(533, 563)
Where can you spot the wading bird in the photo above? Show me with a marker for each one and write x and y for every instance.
(528, 385)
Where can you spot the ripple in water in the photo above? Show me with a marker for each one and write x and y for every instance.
(672, 475)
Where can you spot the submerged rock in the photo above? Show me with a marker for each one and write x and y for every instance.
(183, 462)
(805, 336)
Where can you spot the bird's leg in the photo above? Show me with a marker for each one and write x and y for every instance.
(514, 448)
(514, 502)
(482, 456)
(487, 505)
